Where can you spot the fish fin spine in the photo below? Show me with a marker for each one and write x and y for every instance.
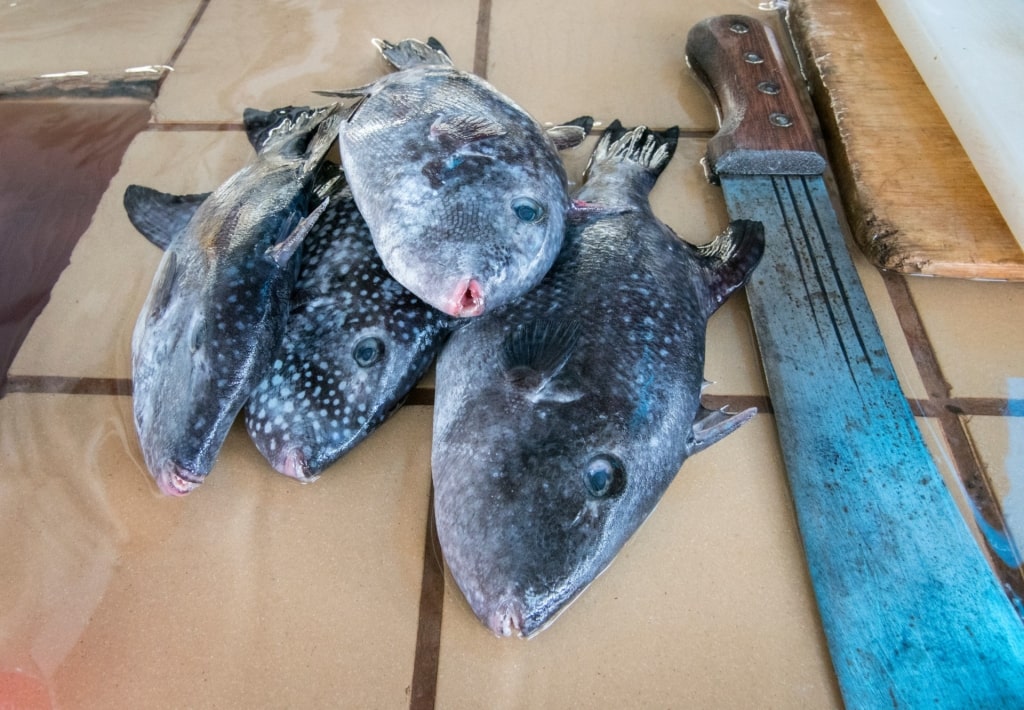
(713, 425)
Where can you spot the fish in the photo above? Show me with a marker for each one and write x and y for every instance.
(216, 310)
(463, 191)
(561, 419)
(356, 343)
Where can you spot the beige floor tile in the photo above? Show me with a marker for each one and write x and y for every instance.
(709, 605)
(603, 58)
(85, 330)
(101, 37)
(284, 51)
(977, 331)
(254, 591)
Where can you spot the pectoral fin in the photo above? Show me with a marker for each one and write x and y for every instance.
(571, 133)
(711, 425)
(453, 132)
(534, 356)
(282, 252)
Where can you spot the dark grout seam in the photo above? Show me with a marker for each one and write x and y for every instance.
(950, 413)
(424, 397)
(423, 689)
(482, 48)
(172, 62)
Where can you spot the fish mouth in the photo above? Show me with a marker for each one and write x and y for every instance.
(295, 465)
(507, 619)
(466, 299)
(176, 480)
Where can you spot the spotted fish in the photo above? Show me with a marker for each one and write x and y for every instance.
(216, 310)
(463, 191)
(355, 345)
(561, 420)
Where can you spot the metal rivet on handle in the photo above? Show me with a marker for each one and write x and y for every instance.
(739, 28)
(752, 58)
(768, 87)
(781, 120)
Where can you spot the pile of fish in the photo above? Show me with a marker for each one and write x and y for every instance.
(568, 329)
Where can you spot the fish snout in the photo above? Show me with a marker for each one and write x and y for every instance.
(294, 464)
(466, 299)
(176, 480)
(507, 619)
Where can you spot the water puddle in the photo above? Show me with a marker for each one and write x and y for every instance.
(59, 156)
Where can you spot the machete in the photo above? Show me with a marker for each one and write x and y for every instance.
(913, 614)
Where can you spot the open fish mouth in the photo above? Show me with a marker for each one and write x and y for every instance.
(175, 480)
(294, 464)
(507, 619)
(466, 299)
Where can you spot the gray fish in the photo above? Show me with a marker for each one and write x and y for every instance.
(216, 310)
(464, 192)
(355, 345)
(560, 420)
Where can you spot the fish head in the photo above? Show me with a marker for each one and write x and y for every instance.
(475, 226)
(191, 355)
(529, 512)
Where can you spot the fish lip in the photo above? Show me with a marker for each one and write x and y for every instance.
(507, 619)
(176, 480)
(467, 299)
(294, 464)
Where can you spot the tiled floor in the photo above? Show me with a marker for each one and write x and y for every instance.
(257, 592)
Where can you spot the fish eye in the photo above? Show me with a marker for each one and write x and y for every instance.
(368, 351)
(604, 476)
(528, 210)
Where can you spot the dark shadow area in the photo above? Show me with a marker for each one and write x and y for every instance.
(58, 158)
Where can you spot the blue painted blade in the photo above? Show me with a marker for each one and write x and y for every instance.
(914, 615)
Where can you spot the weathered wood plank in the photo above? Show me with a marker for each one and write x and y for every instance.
(915, 202)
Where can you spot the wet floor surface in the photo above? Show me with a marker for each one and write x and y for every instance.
(256, 591)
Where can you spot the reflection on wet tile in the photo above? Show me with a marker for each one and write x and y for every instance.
(284, 51)
(559, 59)
(102, 36)
(975, 330)
(85, 330)
(254, 590)
(1000, 442)
(709, 605)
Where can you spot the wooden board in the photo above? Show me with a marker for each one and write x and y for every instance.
(915, 202)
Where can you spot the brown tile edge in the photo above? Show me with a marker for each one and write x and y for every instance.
(423, 688)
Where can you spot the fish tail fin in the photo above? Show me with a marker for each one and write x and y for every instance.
(413, 52)
(730, 259)
(159, 216)
(642, 148)
(293, 131)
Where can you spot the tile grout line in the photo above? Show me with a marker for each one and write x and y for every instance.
(482, 47)
(423, 689)
(200, 11)
(969, 468)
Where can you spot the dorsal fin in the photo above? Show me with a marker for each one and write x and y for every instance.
(640, 146)
(711, 425)
(535, 352)
(730, 258)
(160, 216)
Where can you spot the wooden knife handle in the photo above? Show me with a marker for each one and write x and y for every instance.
(764, 130)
